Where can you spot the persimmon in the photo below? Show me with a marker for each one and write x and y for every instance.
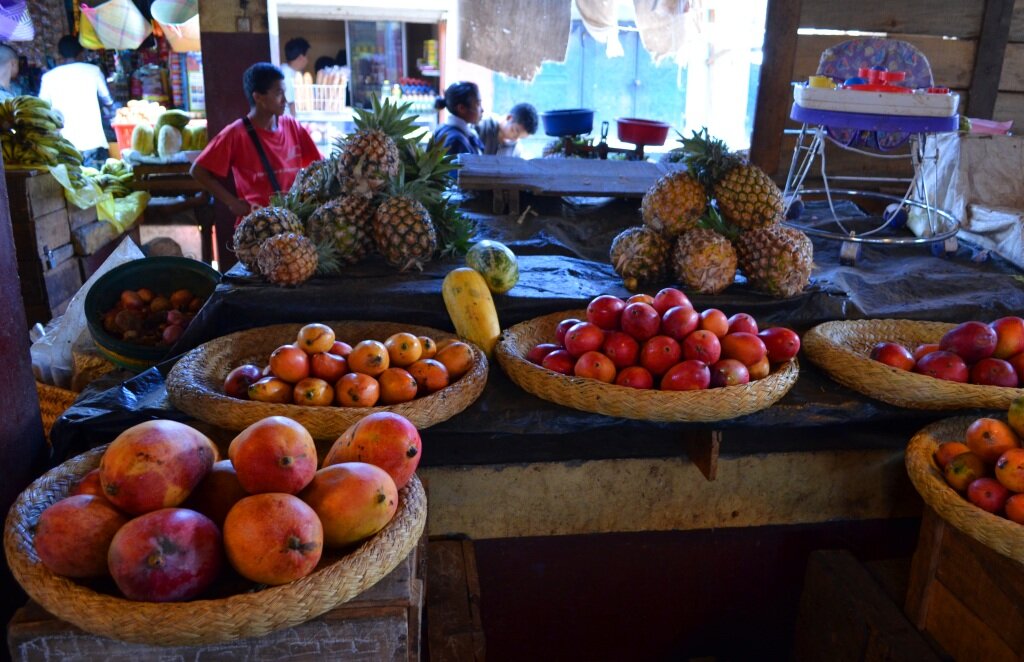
(430, 374)
(356, 390)
(429, 347)
(457, 357)
(369, 357)
(396, 386)
(403, 349)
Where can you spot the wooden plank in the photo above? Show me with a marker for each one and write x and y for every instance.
(90, 238)
(845, 615)
(79, 217)
(1010, 106)
(951, 60)
(952, 18)
(90, 263)
(60, 255)
(42, 234)
(781, 23)
(703, 446)
(1017, 24)
(961, 633)
(33, 193)
(1012, 77)
(62, 282)
(988, 62)
(454, 629)
(585, 177)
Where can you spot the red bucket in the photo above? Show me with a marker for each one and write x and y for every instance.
(124, 135)
(641, 132)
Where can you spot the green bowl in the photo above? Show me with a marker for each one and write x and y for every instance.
(163, 275)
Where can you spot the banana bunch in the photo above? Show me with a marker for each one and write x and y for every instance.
(30, 135)
(114, 178)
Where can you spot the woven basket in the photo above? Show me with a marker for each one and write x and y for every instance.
(651, 405)
(336, 579)
(1002, 535)
(195, 384)
(53, 401)
(842, 349)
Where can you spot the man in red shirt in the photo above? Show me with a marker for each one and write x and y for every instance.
(287, 146)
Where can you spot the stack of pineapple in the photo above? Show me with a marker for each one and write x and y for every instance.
(722, 213)
(379, 191)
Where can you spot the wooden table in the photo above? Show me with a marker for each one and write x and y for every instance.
(507, 176)
(173, 190)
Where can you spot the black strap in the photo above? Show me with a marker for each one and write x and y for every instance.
(263, 155)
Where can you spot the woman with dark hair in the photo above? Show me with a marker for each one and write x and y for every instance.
(462, 100)
(323, 62)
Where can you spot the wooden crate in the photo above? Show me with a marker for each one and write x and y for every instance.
(964, 596)
(32, 194)
(455, 630)
(381, 624)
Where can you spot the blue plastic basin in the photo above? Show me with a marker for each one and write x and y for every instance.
(571, 122)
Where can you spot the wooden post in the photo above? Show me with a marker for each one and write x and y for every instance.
(988, 63)
(773, 89)
(703, 447)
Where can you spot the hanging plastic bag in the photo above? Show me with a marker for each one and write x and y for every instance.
(15, 21)
(122, 212)
(179, 20)
(119, 24)
(87, 34)
(84, 196)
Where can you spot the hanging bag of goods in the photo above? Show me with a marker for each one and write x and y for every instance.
(15, 21)
(119, 24)
(180, 22)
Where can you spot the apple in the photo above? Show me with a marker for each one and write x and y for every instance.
(595, 365)
(328, 367)
(238, 381)
(943, 365)
(994, 372)
(715, 321)
(635, 377)
(560, 361)
(659, 354)
(1009, 336)
(742, 323)
(702, 345)
(893, 354)
(971, 341)
(538, 352)
(641, 321)
(561, 329)
(621, 348)
(924, 350)
(729, 372)
(679, 322)
(670, 297)
(688, 375)
(605, 311)
(745, 347)
(781, 343)
(988, 494)
(583, 337)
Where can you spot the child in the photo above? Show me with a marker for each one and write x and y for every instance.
(462, 100)
(501, 136)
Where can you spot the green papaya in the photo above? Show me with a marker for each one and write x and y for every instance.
(168, 141)
(176, 118)
(142, 139)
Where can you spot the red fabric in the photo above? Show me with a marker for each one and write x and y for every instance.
(288, 149)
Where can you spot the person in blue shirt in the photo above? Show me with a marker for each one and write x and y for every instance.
(462, 100)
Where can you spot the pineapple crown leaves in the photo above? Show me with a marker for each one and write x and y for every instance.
(327, 261)
(708, 158)
(393, 119)
(416, 188)
(455, 230)
(712, 220)
(294, 203)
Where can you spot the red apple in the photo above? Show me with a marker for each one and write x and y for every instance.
(687, 376)
(670, 297)
(729, 372)
(745, 347)
(563, 328)
(583, 337)
(715, 321)
(605, 311)
(621, 348)
(988, 494)
(635, 377)
(641, 321)
(659, 354)
(742, 323)
(893, 354)
(679, 322)
(971, 341)
(702, 345)
(943, 365)
(994, 372)
(328, 367)
(559, 361)
(595, 365)
(1009, 336)
(238, 381)
(924, 350)
(782, 344)
(537, 354)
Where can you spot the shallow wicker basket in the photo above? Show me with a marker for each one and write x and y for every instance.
(651, 405)
(252, 614)
(842, 349)
(195, 384)
(1002, 535)
(53, 402)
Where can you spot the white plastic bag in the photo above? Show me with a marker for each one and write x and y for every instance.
(52, 360)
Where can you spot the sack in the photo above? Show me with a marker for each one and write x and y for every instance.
(179, 20)
(119, 24)
(15, 21)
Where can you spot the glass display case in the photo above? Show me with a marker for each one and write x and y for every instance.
(377, 59)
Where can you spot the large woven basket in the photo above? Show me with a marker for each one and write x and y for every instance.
(842, 349)
(1002, 535)
(252, 614)
(196, 383)
(591, 395)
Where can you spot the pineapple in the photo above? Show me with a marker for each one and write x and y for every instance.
(746, 196)
(674, 204)
(704, 261)
(370, 156)
(288, 258)
(402, 229)
(317, 183)
(433, 165)
(261, 224)
(640, 256)
(346, 223)
(776, 259)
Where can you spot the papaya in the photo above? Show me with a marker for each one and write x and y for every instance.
(168, 141)
(143, 139)
(179, 119)
(471, 308)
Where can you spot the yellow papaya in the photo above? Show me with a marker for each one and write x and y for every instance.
(471, 308)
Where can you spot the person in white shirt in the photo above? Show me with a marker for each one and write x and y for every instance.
(76, 90)
(295, 54)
